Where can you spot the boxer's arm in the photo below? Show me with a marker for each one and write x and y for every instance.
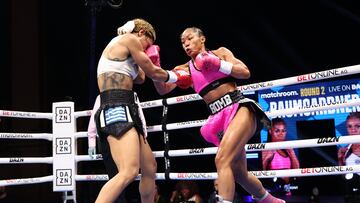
(267, 157)
(92, 131)
(239, 69)
(164, 88)
(152, 71)
(140, 78)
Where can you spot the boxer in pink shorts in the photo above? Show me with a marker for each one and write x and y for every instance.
(234, 119)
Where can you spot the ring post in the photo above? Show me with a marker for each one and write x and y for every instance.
(166, 140)
(64, 149)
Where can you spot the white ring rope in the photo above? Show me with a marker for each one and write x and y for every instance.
(199, 123)
(34, 136)
(316, 171)
(301, 172)
(317, 142)
(26, 181)
(191, 124)
(82, 113)
(310, 77)
(81, 134)
(36, 115)
(23, 114)
(44, 136)
(26, 160)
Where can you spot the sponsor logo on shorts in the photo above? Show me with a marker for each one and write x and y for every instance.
(220, 104)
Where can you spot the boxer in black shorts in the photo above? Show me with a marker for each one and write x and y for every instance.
(118, 113)
(118, 119)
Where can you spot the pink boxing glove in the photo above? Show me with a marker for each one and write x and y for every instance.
(209, 62)
(153, 53)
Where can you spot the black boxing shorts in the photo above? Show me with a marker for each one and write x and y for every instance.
(119, 111)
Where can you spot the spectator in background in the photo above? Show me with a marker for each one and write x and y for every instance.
(314, 197)
(281, 158)
(159, 197)
(350, 155)
(186, 192)
(212, 198)
(2, 192)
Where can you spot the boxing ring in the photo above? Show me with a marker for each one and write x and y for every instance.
(64, 138)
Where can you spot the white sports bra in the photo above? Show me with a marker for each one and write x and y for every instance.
(127, 66)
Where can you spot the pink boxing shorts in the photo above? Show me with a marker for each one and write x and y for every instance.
(223, 111)
(216, 124)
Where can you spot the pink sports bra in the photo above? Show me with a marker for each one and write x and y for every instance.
(280, 162)
(203, 81)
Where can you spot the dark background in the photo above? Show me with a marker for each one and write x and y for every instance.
(49, 51)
